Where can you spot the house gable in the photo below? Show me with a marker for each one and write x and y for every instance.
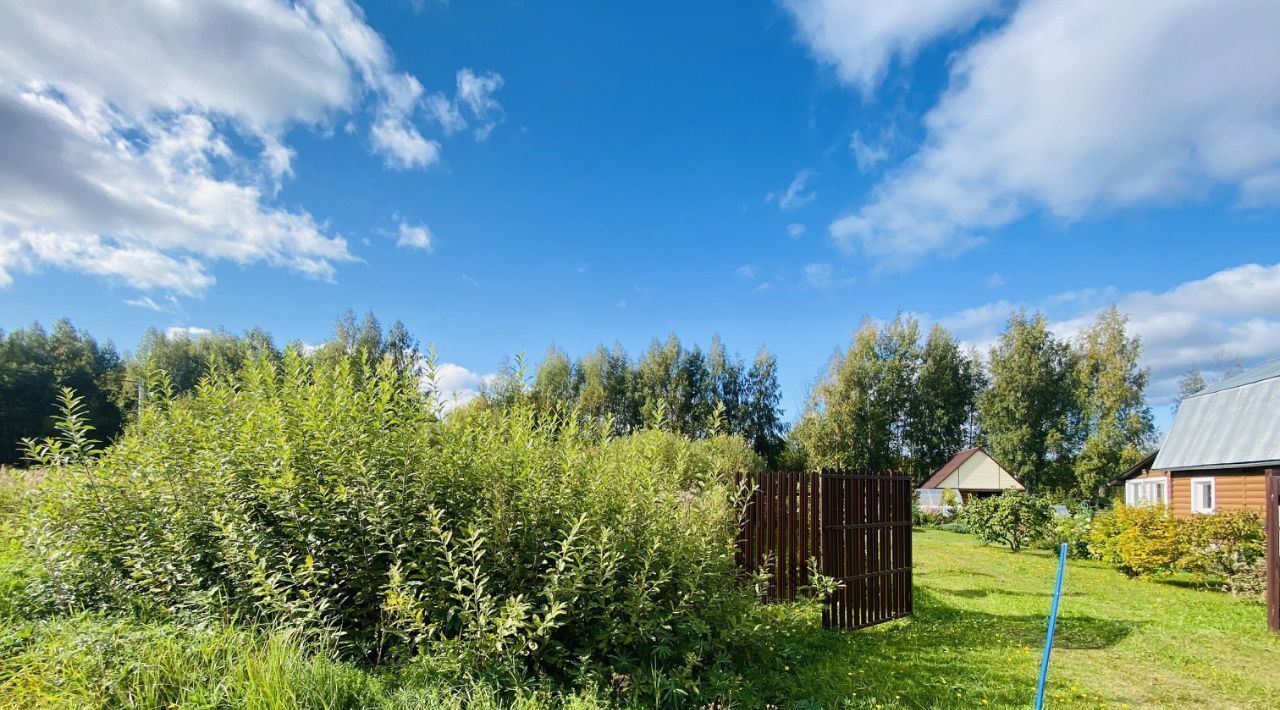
(973, 469)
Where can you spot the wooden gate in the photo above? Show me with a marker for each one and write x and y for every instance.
(1273, 549)
(855, 526)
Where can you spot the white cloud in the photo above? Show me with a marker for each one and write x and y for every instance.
(475, 91)
(1083, 107)
(455, 385)
(795, 196)
(995, 281)
(796, 230)
(1235, 312)
(167, 304)
(746, 271)
(861, 37)
(867, 155)
(146, 144)
(414, 237)
(823, 277)
(187, 331)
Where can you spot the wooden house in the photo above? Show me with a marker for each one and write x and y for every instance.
(1218, 450)
(970, 473)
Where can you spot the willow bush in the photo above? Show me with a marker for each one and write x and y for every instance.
(329, 498)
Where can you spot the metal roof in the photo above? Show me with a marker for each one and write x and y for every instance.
(1235, 424)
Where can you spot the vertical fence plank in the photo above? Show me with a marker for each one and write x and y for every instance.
(854, 524)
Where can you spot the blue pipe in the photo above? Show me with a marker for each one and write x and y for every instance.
(1053, 621)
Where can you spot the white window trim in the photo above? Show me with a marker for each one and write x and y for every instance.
(1213, 492)
(1130, 498)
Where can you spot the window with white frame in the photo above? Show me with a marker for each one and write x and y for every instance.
(1146, 492)
(1204, 495)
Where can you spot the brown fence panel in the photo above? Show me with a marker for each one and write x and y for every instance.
(855, 524)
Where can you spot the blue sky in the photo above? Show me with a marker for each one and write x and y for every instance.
(502, 176)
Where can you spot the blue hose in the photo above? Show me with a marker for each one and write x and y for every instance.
(1053, 621)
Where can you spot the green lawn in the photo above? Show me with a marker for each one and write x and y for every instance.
(978, 633)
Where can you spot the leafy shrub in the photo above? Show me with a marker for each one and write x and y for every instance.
(1072, 529)
(1148, 540)
(1011, 518)
(320, 496)
(955, 528)
(1138, 541)
(927, 518)
(1248, 580)
(1214, 545)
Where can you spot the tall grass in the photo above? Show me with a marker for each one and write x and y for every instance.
(329, 501)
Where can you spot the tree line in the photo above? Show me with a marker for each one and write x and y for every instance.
(36, 364)
(1063, 415)
(671, 386)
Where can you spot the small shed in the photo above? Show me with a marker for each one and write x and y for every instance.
(970, 473)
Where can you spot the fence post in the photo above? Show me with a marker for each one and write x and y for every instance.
(1273, 549)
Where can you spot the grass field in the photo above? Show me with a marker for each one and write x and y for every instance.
(977, 637)
(975, 641)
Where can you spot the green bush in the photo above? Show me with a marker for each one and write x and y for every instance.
(1072, 529)
(955, 528)
(927, 518)
(1248, 580)
(1214, 545)
(1138, 541)
(308, 495)
(1011, 518)
(1148, 540)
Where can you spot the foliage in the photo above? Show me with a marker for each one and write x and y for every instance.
(944, 406)
(1214, 545)
(1148, 540)
(858, 412)
(1072, 529)
(1248, 579)
(185, 359)
(309, 496)
(1191, 382)
(1113, 410)
(928, 518)
(1029, 413)
(1012, 518)
(35, 365)
(671, 387)
(1140, 541)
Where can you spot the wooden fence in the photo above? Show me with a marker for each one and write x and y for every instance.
(1273, 549)
(854, 525)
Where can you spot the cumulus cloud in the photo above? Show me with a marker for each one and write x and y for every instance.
(860, 38)
(796, 195)
(414, 237)
(455, 385)
(747, 272)
(1077, 108)
(796, 230)
(1233, 312)
(145, 144)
